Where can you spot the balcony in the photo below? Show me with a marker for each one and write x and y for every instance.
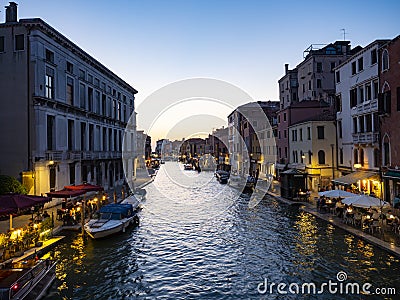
(365, 107)
(78, 155)
(366, 138)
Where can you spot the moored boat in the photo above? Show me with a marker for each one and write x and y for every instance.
(27, 279)
(112, 218)
(222, 176)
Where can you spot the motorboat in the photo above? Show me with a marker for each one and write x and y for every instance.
(222, 176)
(187, 167)
(112, 218)
(26, 279)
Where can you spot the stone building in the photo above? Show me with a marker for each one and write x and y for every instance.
(63, 114)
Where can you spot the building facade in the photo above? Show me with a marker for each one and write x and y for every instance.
(68, 111)
(389, 109)
(357, 89)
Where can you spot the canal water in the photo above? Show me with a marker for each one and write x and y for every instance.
(199, 239)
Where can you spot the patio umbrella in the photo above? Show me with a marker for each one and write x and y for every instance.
(364, 201)
(336, 194)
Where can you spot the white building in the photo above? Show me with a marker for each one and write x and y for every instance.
(62, 113)
(357, 88)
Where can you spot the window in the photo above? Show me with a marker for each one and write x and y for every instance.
(279, 134)
(308, 133)
(309, 157)
(304, 88)
(96, 82)
(90, 78)
(83, 136)
(71, 135)
(49, 56)
(51, 133)
(70, 67)
(337, 76)
(285, 152)
(90, 99)
(114, 111)
(70, 91)
(321, 157)
(361, 128)
(386, 158)
(341, 156)
(333, 65)
(375, 89)
(309, 85)
(97, 102)
(376, 157)
(338, 102)
(355, 125)
(279, 119)
(301, 134)
(91, 137)
(104, 139)
(319, 67)
(319, 83)
(385, 60)
(103, 105)
(360, 94)
(398, 98)
(320, 132)
(340, 134)
(360, 64)
(374, 57)
(368, 123)
(81, 74)
(19, 42)
(353, 97)
(353, 68)
(1, 43)
(368, 92)
(82, 96)
(284, 117)
(385, 102)
(49, 90)
(294, 135)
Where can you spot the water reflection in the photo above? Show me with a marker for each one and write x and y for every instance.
(205, 244)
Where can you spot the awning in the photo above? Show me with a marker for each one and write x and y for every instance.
(354, 177)
(65, 193)
(392, 175)
(85, 187)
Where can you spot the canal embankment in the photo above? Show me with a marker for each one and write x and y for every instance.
(337, 222)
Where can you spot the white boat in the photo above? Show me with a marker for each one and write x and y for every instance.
(113, 218)
(27, 279)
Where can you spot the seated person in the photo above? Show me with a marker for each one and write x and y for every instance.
(45, 215)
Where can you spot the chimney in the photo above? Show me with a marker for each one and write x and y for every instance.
(11, 12)
(286, 68)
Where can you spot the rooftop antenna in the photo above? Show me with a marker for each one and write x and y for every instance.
(344, 33)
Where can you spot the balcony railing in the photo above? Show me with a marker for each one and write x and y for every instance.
(366, 107)
(78, 155)
(365, 138)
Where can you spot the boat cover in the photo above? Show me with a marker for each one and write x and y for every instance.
(126, 210)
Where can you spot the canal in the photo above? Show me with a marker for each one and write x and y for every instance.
(199, 240)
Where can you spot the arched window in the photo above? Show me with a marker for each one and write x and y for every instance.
(385, 60)
(355, 156)
(321, 157)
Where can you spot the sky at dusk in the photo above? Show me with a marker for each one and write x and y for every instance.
(153, 43)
